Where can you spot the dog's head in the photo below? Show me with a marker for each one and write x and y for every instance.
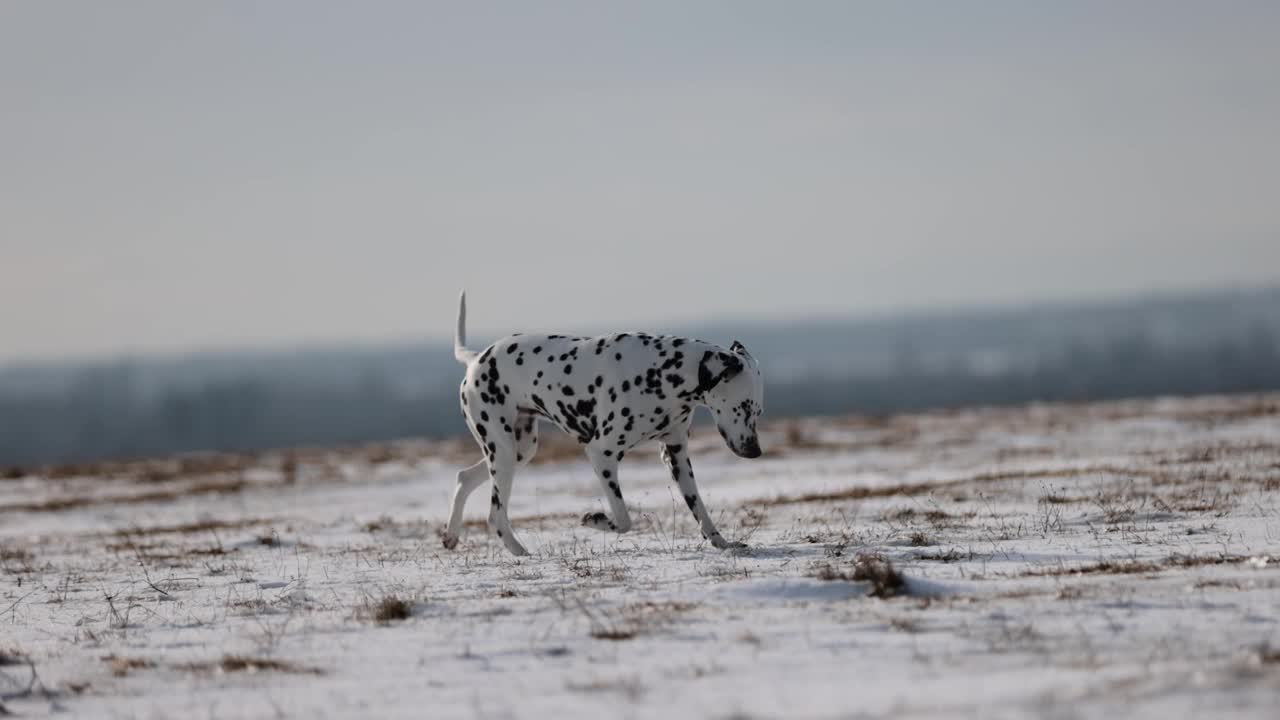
(734, 392)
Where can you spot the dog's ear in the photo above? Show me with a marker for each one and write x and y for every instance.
(740, 349)
(732, 366)
(715, 368)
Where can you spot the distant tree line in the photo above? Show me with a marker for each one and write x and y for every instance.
(99, 418)
(1132, 367)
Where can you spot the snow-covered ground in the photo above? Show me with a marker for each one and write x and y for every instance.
(1109, 560)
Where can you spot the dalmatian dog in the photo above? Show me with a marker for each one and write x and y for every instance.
(612, 393)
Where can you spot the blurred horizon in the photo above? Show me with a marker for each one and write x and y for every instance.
(1225, 341)
(182, 178)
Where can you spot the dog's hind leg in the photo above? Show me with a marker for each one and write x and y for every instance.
(676, 457)
(502, 468)
(606, 467)
(468, 480)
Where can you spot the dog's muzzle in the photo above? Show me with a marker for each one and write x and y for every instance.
(751, 450)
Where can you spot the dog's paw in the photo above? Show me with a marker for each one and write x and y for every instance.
(598, 521)
(721, 544)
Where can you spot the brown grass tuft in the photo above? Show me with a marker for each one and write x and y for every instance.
(921, 539)
(243, 663)
(1104, 567)
(1136, 567)
(121, 666)
(392, 609)
(613, 634)
(885, 580)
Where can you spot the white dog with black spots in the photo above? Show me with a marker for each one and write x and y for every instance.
(612, 393)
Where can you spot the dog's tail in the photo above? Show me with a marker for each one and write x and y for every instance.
(460, 350)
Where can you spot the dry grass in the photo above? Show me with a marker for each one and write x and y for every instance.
(206, 487)
(937, 518)
(121, 666)
(156, 470)
(243, 663)
(1104, 567)
(949, 556)
(392, 609)
(16, 559)
(419, 528)
(196, 527)
(920, 539)
(798, 436)
(905, 624)
(1135, 567)
(885, 580)
(631, 688)
(385, 610)
(614, 634)
(924, 488)
(1185, 561)
(630, 620)
(164, 552)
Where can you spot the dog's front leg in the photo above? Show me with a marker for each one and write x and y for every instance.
(675, 454)
(606, 467)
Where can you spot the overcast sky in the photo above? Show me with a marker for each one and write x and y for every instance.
(182, 175)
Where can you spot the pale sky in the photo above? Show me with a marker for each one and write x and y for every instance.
(186, 175)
